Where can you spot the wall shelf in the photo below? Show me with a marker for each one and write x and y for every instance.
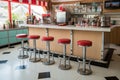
(88, 13)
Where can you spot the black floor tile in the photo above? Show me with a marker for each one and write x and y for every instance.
(3, 61)
(21, 67)
(44, 75)
(6, 52)
(111, 78)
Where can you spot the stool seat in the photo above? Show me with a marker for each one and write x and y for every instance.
(21, 36)
(33, 36)
(47, 38)
(84, 43)
(64, 41)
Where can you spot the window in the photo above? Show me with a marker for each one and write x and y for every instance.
(38, 11)
(3, 13)
(19, 11)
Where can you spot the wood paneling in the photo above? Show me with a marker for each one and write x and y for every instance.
(57, 35)
(92, 52)
(114, 36)
(110, 11)
(37, 31)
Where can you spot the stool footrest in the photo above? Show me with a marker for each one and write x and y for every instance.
(23, 56)
(65, 67)
(48, 62)
(34, 59)
(86, 72)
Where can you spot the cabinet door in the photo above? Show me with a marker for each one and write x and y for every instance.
(12, 40)
(3, 41)
(114, 35)
(3, 34)
(19, 31)
(25, 31)
(118, 35)
(12, 33)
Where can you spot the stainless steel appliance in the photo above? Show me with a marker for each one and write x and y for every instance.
(105, 21)
(61, 17)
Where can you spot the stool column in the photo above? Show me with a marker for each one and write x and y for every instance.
(64, 54)
(22, 46)
(34, 44)
(48, 50)
(84, 59)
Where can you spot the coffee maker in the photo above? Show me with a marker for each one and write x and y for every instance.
(105, 21)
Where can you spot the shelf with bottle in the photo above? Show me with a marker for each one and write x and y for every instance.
(88, 13)
(87, 20)
(88, 8)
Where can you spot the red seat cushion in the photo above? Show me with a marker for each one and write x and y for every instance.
(33, 36)
(21, 36)
(49, 38)
(64, 41)
(84, 43)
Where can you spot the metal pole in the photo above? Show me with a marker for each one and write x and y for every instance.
(22, 46)
(64, 49)
(34, 46)
(102, 48)
(71, 44)
(48, 50)
(47, 33)
(84, 59)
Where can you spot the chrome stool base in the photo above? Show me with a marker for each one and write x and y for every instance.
(86, 72)
(34, 59)
(65, 67)
(23, 56)
(47, 62)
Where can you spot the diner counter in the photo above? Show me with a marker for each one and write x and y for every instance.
(95, 34)
(68, 27)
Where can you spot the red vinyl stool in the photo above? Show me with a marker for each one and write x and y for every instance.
(48, 61)
(65, 65)
(22, 37)
(84, 44)
(34, 38)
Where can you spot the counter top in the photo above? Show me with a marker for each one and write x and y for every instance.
(68, 27)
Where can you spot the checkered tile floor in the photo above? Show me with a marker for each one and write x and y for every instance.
(12, 68)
